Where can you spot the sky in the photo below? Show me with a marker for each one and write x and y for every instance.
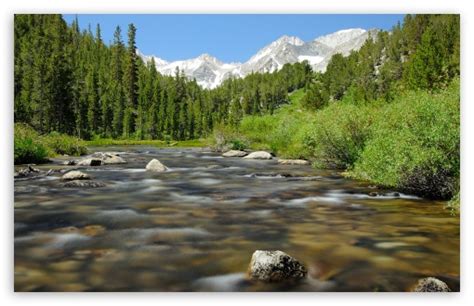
(230, 38)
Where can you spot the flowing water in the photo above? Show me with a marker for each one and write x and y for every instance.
(195, 227)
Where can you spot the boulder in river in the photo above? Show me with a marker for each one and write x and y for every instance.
(293, 162)
(235, 153)
(259, 155)
(75, 175)
(90, 162)
(156, 166)
(83, 184)
(70, 162)
(28, 171)
(275, 266)
(431, 284)
(113, 159)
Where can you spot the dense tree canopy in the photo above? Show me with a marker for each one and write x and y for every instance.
(72, 82)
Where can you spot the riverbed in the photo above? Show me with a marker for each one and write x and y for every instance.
(195, 227)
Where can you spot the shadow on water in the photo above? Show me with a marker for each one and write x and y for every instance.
(196, 226)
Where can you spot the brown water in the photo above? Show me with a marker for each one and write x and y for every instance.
(195, 228)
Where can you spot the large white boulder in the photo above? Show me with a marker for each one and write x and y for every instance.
(275, 266)
(259, 155)
(156, 166)
(234, 153)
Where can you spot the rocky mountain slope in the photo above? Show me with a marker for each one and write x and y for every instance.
(209, 72)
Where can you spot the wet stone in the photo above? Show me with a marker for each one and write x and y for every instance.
(431, 284)
(258, 155)
(235, 153)
(75, 175)
(275, 266)
(156, 166)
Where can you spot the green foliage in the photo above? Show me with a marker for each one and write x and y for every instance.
(27, 148)
(338, 134)
(455, 203)
(64, 144)
(31, 147)
(281, 133)
(237, 144)
(71, 82)
(415, 145)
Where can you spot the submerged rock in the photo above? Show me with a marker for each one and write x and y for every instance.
(431, 284)
(293, 162)
(275, 266)
(75, 175)
(269, 175)
(90, 162)
(156, 166)
(235, 153)
(83, 184)
(259, 155)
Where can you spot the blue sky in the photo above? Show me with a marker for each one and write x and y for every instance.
(230, 38)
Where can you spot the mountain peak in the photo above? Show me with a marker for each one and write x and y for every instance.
(293, 40)
(209, 72)
(342, 36)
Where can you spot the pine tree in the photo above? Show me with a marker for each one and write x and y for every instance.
(131, 78)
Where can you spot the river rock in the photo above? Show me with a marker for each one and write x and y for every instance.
(90, 162)
(293, 162)
(70, 162)
(275, 266)
(259, 155)
(83, 184)
(28, 171)
(234, 153)
(113, 159)
(75, 175)
(156, 166)
(431, 284)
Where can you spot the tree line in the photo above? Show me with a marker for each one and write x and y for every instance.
(422, 53)
(70, 81)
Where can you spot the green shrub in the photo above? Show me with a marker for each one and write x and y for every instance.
(455, 203)
(258, 129)
(27, 148)
(64, 144)
(224, 137)
(237, 144)
(338, 134)
(30, 147)
(282, 132)
(415, 146)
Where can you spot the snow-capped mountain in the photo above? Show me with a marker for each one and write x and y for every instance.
(209, 72)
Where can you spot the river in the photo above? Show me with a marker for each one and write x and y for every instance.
(195, 227)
